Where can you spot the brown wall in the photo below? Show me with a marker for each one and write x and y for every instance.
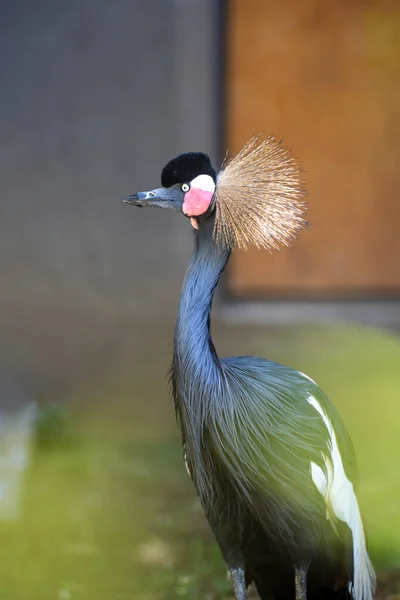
(324, 77)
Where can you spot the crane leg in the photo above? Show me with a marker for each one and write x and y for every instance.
(300, 582)
(239, 583)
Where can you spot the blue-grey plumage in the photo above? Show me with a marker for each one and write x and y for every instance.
(270, 459)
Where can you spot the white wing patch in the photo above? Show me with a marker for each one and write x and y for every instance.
(307, 377)
(186, 462)
(341, 501)
(318, 477)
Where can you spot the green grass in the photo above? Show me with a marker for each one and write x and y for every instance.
(109, 511)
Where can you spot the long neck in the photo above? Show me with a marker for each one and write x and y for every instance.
(196, 365)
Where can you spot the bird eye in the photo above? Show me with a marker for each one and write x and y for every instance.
(185, 187)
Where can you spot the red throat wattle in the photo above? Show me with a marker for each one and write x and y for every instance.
(196, 202)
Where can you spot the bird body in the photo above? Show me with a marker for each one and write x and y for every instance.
(266, 451)
(270, 459)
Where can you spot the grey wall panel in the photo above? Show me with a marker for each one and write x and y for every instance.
(95, 97)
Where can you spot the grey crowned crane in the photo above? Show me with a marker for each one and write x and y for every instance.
(270, 459)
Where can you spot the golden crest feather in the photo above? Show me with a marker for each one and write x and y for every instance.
(259, 197)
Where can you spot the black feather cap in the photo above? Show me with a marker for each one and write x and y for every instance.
(185, 167)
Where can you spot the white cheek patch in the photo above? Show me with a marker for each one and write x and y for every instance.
(198, 199)
(204, 183)
(341, 502)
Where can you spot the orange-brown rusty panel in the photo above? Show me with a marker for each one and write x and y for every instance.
(324, 77)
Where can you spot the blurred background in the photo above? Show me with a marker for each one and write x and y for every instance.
(96, 96)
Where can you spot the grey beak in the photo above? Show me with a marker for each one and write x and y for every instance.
(140, 199)
(160, 197)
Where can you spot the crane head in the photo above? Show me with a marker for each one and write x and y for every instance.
(188, 186)
(256, 199)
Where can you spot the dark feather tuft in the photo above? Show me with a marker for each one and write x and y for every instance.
(185, 167)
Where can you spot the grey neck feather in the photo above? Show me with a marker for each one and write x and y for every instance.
(197, 371)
